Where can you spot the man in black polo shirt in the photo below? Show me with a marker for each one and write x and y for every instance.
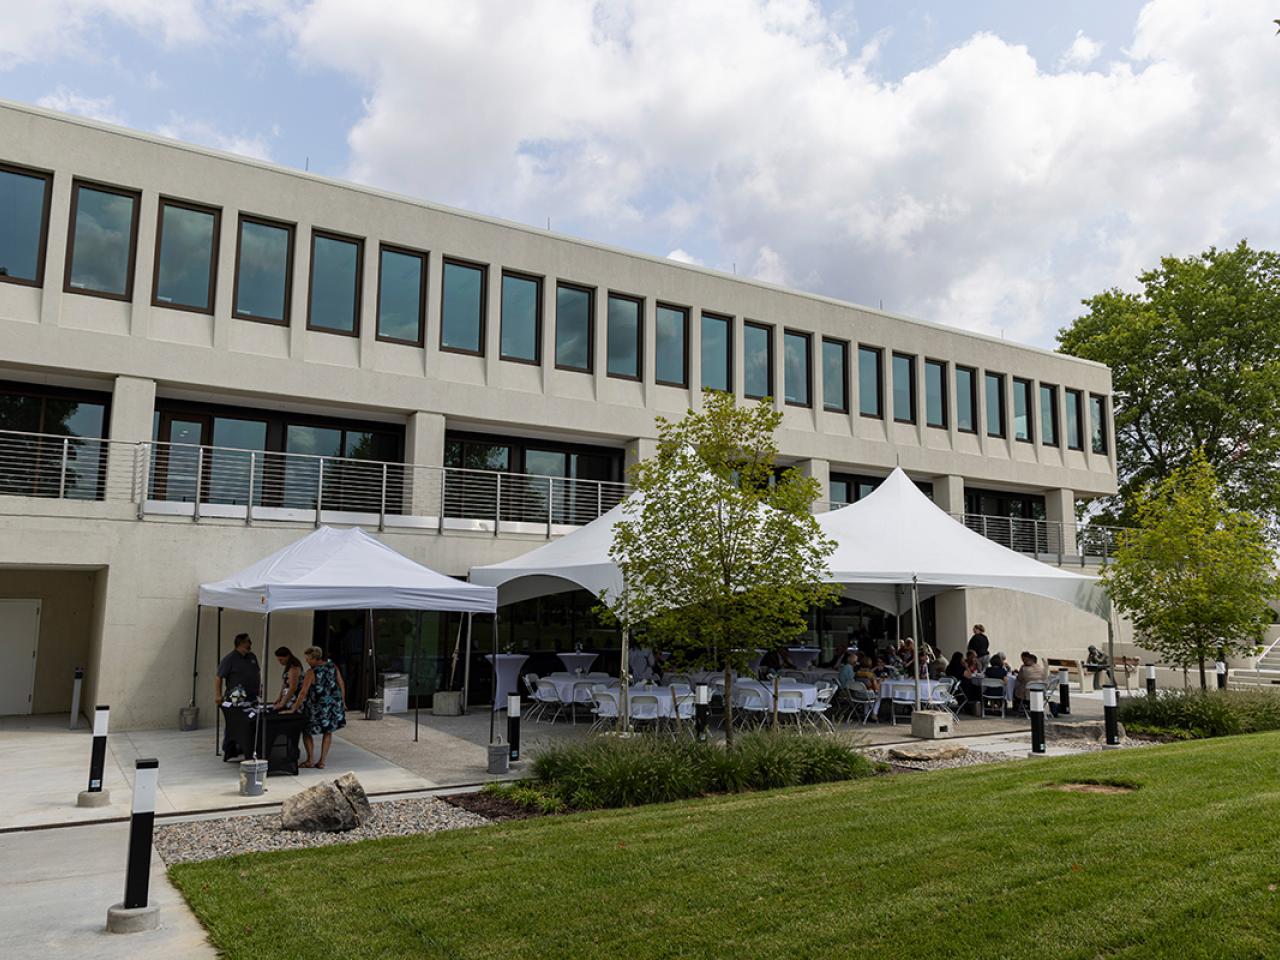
(239, 680)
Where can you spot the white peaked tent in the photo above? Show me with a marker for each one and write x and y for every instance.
(896, 536)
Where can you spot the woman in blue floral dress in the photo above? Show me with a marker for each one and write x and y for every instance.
(323, 696)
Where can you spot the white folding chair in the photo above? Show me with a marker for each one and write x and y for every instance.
(863, 700)
(993, 693)
(750, 706)
(901, 694)
(817, 711)
(581, 697)
(530, 681)
(645, 708)
(941, 698)
(546, 696)
(790, 706)
(606, 706)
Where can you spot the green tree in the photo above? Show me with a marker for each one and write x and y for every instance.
(1194, 575)
(719, 556)
(1195, 364)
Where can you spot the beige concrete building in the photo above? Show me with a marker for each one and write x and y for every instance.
(202, 357)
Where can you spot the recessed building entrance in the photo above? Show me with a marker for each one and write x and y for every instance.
(19, 639)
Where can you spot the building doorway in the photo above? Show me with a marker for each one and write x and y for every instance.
(19, 637)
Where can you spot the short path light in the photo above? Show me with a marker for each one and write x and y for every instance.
(1038, 748)
(1064, 693)
(96, 796)
(136, 913)
(1151, 679)
(1109, 712)
(702, 701)
(513, 724)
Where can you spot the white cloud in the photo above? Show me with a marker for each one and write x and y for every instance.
(203, 132)
(38, 30)
(683, 256)
(69, 101)
(1082, 52)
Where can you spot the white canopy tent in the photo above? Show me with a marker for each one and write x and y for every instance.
(332, 569)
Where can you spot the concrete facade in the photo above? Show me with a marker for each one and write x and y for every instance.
(133, 579)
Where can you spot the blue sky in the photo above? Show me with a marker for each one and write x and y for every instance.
(980, 164)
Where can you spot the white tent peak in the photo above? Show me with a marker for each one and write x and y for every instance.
(332, 569)
(896, 534)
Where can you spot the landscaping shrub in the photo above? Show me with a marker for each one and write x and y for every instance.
(622, 772)
(1193, 713)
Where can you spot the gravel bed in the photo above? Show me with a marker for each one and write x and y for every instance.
(975, 758)
(225, 837)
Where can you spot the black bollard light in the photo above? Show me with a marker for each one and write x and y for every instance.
(701, 707)
(1110, 710)
(1064, 693)
(1151, 679)
(135, 913)
(1221, 666)
(1038, 748)
(76, 684)
(96, 796)
(513, 724)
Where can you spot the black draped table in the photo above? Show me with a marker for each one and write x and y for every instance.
(278, 735)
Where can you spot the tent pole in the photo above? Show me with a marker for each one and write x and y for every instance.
(493, 706)
(915, 632)
(413, 669)
(1111, 643)
(217, 707)
(262, 688)
(624, 676)
(195, 658)
(370, 679)
(466, 664)
(897, 613)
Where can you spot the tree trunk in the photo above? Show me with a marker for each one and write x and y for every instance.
(728, 706)
(1204, 686)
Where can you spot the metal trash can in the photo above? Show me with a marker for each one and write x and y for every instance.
(499, 758)
(373, 709)
(253, 778)
(188, 719)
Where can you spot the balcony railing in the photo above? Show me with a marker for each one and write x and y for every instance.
(173, 479)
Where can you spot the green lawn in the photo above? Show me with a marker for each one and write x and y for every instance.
(980, 862)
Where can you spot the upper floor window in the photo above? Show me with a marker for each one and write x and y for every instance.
(103, 241)
(870, 360)
(624, 343)
(1098, 422)
(402, 295)
(1075, 420)
(966, 400)
(462, 307)
(574, 327)
(995, 404)
(904, 388)
(24, 224)
(798, 369)
(186, 256)
(66, 463)
(1022, 409)
(521, 333)
(717, 353)
(935, 393)
(264, 270)
(671, 346)
(757, 360)
(835, 376)
(336, 268)
(1048, 415)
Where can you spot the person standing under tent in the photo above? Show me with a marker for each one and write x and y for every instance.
(238, 680)
(323, 696)
(640, 663)
(980, 645)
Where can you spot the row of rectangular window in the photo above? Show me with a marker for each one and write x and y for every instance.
(102, 246)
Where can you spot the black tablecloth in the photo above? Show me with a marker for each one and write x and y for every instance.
(277, 737)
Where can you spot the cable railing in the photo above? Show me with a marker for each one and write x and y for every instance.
(60, 467)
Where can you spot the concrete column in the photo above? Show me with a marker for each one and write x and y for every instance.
(948, 493)
(1060, 511)
(424, 449)
(133, 402)
(641, 448)
(819, 470)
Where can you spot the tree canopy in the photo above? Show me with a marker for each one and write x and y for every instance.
(1194, 576)
(1195, 363)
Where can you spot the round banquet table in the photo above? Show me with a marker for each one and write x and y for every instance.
(564, 682)
(807, 690)
(926, 688)
(508, 676)
(803, 657)
(611, 698)
(574, 662)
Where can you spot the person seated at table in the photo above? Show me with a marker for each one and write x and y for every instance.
(324, 696)
(996, 668)
(1031, 671)
(848, 670)
(955, 666)
(290, 680)
(1096, 663)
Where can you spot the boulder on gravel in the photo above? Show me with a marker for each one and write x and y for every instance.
(319, 809)
(925, 754)
(351, 789)
(1078, 730)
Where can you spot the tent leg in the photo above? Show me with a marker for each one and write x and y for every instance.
(624, 701)
(370, 678)
(195, 659)
(217, 707)
(493, 707)
(262, 691)
(466, 666)
(413, 669)
(915, 630)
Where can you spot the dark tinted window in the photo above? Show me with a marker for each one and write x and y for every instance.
(904, 388)
(835, 376)
(24, 204)
(186, 255)
(717, 363)
(573, 328)
(1098, 422)
(102, 239)
(966, 400)
(869, 392)
(462, 310)
(1075, 416)
(624, 337)
(521, 318)
(796, 368)
(402, 289)
(935, 393)
(335, 284)
(995, 405)
(1048, 415)
(671, 334)
(264, 265)
(1022, 409)
(757, 361)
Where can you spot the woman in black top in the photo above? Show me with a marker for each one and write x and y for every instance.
(979, 643)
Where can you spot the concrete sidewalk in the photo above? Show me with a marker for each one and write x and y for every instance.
(56, 886)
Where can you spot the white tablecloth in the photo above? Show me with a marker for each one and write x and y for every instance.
(508, 670)
(926, 688)
(808, 690)
(564, 682)
(611, 698)
(577, 661)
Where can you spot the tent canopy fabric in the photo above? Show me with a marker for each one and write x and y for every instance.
(334, 569)
(897, 534)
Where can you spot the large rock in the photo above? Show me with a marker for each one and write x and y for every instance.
(319, 809)
(350, 788)
(1078, 730)
(925, 754)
